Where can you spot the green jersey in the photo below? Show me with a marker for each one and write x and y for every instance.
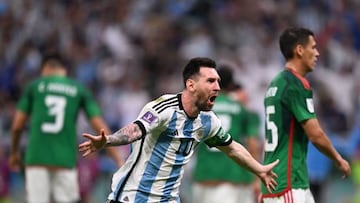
(288, 102)
(212, 164)
(253, 124)
(54, 103)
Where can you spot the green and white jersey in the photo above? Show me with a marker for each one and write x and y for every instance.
(53, 102)
(288, 102)
(212, 164)
(253, 124)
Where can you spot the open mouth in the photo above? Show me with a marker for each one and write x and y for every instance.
(212, 99)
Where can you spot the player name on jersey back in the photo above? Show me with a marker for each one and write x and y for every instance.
(67, 89)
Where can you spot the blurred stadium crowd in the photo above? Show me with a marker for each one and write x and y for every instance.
(130, 51)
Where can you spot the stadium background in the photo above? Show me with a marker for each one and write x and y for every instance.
(129, 52)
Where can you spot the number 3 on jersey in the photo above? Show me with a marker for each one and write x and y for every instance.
(272, 140)
(56, 107)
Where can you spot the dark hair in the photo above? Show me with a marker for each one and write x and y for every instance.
(53, 60)
(193, 67)
(226, 77)
(292, 37)
(238, 86)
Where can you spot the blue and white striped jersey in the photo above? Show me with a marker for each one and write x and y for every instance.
(153, 171)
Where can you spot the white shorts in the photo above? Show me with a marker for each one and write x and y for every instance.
(293, 196)
(42, 183)
(224, 193)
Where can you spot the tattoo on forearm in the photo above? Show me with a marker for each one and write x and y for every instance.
(125, 135)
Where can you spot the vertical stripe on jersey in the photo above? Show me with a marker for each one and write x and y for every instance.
(122, 182)
(177, 167)
(188, 128)
(154, 164)
(291, 140)
(206, 123)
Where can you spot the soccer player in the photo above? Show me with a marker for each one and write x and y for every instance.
(216, 176)
(291, 121)
(253, 140)
(53, 103)
(164, 137)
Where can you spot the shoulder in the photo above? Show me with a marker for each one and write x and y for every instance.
(159, 110)
(35, 84)
(164, 102)
(288, 82)
(297, 81)
(75, 83)
(211, 117)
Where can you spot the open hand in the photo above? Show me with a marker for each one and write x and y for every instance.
(94, 143)
(267, 176)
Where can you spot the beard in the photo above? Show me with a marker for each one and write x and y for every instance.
(203, 106)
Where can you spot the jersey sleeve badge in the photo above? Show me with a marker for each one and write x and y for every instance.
(310, 105)
(148, 117)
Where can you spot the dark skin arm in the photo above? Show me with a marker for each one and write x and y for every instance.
(17, 127)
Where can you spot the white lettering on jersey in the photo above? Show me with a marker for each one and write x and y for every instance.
(271, 92)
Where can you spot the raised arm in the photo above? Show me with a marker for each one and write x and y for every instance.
(321, 141)
(241, 156)
(123, 136)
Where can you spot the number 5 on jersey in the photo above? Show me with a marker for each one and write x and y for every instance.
(272, 140)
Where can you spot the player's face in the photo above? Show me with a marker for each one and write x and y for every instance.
(206, 88)
(310, 55)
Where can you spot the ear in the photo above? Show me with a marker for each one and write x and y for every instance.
(299, 50)
(190, 85)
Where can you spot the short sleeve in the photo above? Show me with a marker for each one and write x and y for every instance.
(300, 102)
(252, 124)
(25, 101)
(91, 108)
(149, 118)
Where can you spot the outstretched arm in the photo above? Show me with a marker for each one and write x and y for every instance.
(241, 156)
(98, 124)
(125, 135)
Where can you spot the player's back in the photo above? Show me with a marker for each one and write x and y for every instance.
(286, 98)
(53, 103)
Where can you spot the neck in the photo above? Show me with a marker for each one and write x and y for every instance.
(54, 72)
(296, 68)
(189, 104)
